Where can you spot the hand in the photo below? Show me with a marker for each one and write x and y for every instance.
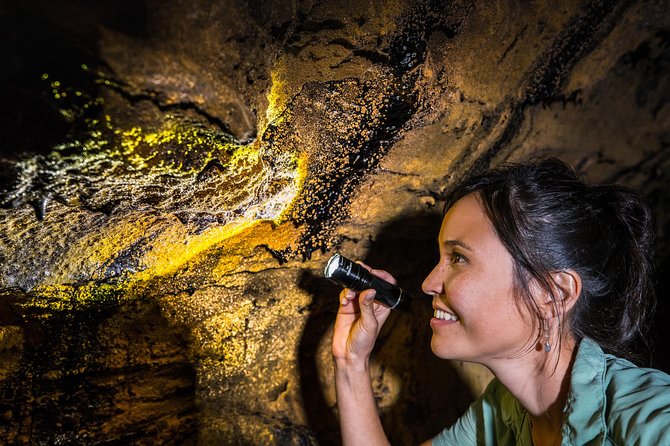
(359, 321)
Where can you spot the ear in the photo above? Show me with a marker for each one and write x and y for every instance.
(567, 287)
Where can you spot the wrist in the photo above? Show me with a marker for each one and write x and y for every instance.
(352, 378)
(351, 365)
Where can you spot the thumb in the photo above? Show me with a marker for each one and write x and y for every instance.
(366, 305)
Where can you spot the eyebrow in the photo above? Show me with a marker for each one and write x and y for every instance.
(457, 243)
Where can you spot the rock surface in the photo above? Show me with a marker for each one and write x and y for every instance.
(175, 175)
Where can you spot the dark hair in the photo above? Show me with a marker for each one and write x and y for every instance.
(549, 220)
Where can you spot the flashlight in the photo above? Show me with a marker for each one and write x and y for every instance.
(351, 275)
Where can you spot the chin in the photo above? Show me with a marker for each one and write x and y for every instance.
(440, 351)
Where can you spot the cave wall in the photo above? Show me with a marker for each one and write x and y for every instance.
(175, 175)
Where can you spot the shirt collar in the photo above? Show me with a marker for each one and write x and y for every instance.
(584, 411)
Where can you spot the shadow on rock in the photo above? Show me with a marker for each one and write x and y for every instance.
(116, 375)
(418, 394)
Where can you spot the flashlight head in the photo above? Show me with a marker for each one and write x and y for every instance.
(349, 274)
(354, 276)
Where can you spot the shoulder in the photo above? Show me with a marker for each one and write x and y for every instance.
(612, 398)
(625, 381)
(638, 402)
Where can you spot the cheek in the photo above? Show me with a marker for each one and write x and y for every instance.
(464, 292)
(485, 296)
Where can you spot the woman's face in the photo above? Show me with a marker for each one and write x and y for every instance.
(477, 316)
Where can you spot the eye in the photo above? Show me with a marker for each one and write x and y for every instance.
(456, 257)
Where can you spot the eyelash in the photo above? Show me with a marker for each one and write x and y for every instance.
(456, 257)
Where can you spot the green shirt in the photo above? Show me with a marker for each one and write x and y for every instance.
(611, 402)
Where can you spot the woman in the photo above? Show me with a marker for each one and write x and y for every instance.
(546, 281)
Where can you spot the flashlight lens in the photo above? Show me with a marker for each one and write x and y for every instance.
(332, 266)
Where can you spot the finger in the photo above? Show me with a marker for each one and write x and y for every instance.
(384, 275)
(366, 302)
(369, 268)
(346, 296)
(379, 273)
(373, 314)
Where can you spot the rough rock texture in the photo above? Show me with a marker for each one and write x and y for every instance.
(175, 174)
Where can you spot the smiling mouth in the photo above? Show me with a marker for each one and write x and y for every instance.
(445, 315)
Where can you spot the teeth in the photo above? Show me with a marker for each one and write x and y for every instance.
(440, 314)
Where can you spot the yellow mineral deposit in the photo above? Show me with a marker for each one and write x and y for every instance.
(249, 192)
(139, 147)
(252, 189)
(277, 96)
(176, 247)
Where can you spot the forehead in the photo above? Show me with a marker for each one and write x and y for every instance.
(467, 222)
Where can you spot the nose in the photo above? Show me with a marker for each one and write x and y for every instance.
(433, 284)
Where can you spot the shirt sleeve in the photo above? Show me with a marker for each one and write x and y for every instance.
(493, 419)
(463, 431)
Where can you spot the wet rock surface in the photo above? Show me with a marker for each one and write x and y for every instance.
(174, 176)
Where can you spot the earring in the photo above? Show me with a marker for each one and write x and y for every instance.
(545, 329)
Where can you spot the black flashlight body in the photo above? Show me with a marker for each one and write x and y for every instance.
(351, 275)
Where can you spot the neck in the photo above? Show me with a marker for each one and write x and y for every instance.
(540, 381)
